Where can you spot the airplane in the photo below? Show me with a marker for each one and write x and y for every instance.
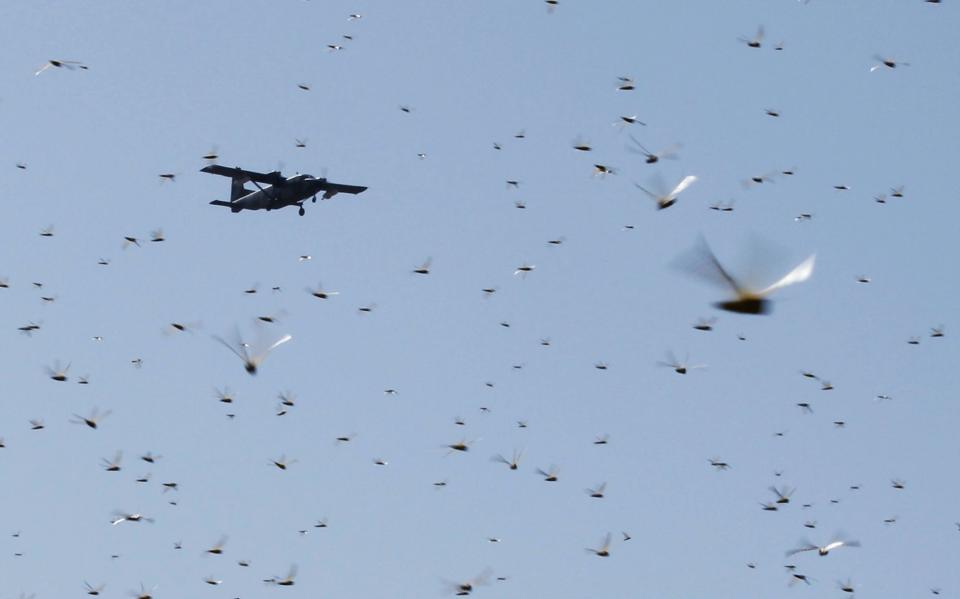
(279, 192)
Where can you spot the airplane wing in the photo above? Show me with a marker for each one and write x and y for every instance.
(274, 178)
(340, 188)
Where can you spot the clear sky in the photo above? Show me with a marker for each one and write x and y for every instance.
(170, 81)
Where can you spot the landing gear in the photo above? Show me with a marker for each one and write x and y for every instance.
(302, 211)
(314, 199)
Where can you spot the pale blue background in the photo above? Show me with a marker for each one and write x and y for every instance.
(168, 80)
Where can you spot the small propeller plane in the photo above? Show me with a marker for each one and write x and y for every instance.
(279, 191)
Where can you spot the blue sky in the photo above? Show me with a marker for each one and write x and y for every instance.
(169, 81)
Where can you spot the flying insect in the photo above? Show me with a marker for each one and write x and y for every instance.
(702, 262)
(252, 361)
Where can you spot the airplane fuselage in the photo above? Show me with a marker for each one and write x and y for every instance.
(294, 191)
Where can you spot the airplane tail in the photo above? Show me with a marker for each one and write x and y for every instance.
(233, 207)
